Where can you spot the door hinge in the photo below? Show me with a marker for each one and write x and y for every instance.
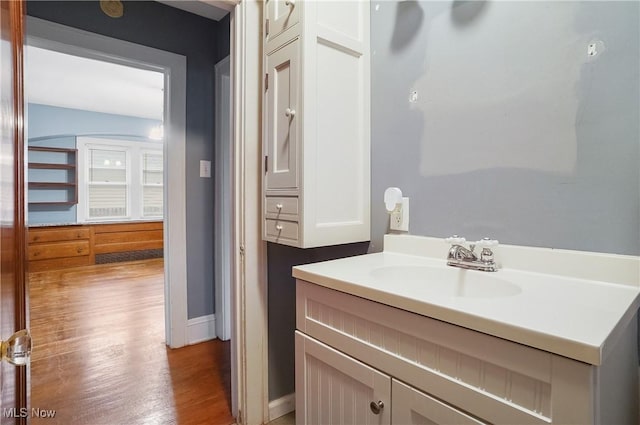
(266, 164)
(266, 28)
(266, 82)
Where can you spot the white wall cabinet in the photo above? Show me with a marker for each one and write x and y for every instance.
(444, 374)
(316, 123)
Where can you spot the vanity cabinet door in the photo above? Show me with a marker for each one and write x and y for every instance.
(413, 407)
(283, 114)
(332, 388)
(282, 15)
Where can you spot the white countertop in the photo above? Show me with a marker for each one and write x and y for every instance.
(573, 317)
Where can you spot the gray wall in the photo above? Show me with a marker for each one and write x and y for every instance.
(517, 133)
(282, 306)
(203, 42)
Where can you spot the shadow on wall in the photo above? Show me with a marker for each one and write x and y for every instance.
(465, 12)
(409, 17)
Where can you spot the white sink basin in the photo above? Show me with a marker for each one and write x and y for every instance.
(447, 281)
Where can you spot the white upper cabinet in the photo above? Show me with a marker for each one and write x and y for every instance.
(316, 122)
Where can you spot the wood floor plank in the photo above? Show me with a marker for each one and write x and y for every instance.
(99, 356)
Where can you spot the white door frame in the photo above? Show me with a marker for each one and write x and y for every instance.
(223, 242)
(249, 291)
(52, 36)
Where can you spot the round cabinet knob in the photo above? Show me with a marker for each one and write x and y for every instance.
(487, 243)
(279, 206)
(290, 112)
(290, 2)
(376, 407)
(279, 227)
(455, 240)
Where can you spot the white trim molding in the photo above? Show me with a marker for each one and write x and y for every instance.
(250, 401)
(281, 406)
(223, 220)
(200, 329)
(64, 39)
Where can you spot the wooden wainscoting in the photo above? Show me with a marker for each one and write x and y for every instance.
(59, 247)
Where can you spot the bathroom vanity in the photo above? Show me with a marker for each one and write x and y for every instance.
(400, 338)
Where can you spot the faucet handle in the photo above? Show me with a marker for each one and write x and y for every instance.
(487, 243)
(455, 240)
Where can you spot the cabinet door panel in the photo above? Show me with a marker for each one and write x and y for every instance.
(282, 117)
(413, 407)
(282, 15)
(332, 388)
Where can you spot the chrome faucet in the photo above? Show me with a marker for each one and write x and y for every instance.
(466, 258)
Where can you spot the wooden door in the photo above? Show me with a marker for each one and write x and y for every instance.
(283, 114)
(413, 407)
(13, 379)
(333, 388)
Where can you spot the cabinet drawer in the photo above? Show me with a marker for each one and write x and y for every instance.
(279, 230)
(58, 250)
(413, 407)
(281, 208)
(37, 236)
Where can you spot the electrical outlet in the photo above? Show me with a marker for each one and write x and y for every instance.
(399, 218)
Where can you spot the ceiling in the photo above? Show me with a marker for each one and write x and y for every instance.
(212, 9)
(59, 79)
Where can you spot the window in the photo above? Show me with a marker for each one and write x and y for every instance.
(108, 183)
(119, 180)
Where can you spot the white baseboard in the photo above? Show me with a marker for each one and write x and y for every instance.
(200, 329)
(282, 406)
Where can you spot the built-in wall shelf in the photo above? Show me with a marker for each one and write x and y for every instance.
(44, 165)
(62, 189)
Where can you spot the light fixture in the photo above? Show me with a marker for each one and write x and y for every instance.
(157, 133)
(112, 8)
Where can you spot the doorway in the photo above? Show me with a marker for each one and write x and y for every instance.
(179, 330)
(248, 304)
(66, 40)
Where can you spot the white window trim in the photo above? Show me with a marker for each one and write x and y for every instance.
(142, 152)
(134, 149)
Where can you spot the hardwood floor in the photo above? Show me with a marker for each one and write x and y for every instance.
(99, 356)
